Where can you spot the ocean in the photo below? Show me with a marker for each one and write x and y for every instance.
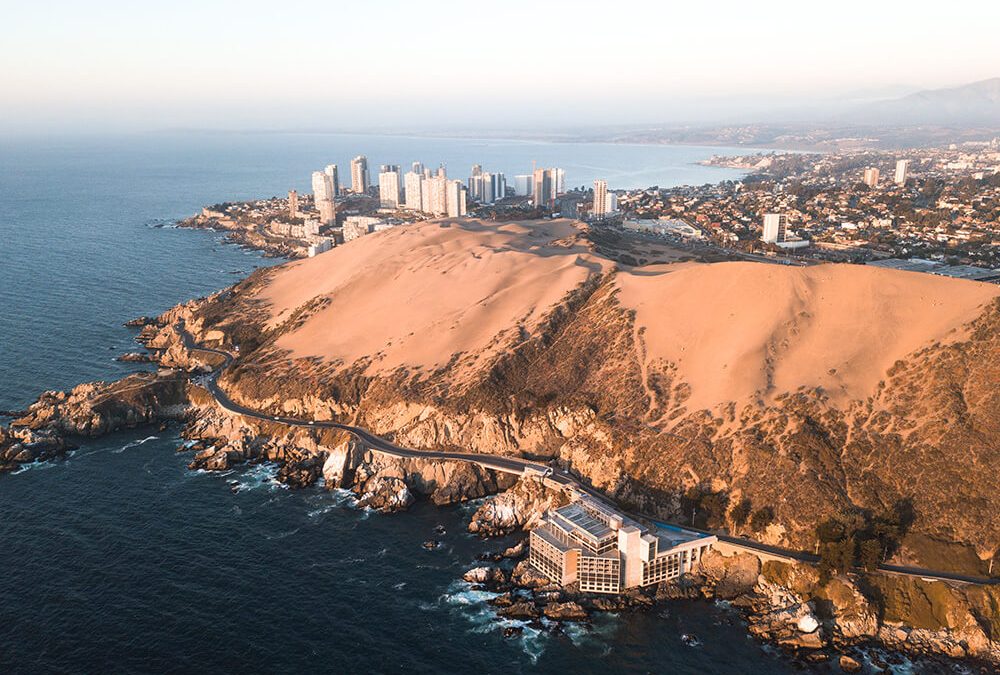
(120, 559)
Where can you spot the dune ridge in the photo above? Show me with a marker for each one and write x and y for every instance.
(415, 297)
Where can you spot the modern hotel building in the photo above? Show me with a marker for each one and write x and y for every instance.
(603, 551)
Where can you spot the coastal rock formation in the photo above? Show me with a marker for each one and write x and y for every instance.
(684, 390)
(790, 606)
(648, 381)
(485, 575)
(565, 611)
(726, 577)
(23, 446)
(382, 481)
(97, 408)
(91, 409)
(519, 508)
(385, 493)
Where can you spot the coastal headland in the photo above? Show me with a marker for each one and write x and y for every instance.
(772, 402)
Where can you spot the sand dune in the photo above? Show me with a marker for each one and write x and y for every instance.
(414, 296)
(736, 329)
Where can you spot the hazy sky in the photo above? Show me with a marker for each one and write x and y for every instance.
(293, 64)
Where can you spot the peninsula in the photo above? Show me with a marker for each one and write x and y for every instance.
(787, 410)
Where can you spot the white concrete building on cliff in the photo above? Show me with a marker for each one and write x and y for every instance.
(604, 551)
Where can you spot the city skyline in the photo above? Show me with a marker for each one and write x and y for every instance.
(99, 68)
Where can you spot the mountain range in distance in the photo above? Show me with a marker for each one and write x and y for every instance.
(974, 104)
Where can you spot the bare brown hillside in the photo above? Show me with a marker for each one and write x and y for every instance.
(809, 391)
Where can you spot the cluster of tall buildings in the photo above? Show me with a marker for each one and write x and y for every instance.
(486, 187)
(430, 191)
(423, 190)
(546, 184)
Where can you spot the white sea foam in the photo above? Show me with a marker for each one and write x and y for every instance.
(134, 444)
(282, 535)
(260, 476)
(334, 499)
(37, 464)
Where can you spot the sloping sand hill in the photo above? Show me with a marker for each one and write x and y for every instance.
(415, 296)
(735, 330)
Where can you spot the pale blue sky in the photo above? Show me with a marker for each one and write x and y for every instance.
(294, 64)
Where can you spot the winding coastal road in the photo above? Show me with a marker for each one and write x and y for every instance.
(516, 465)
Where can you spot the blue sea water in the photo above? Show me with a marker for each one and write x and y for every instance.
(120, 559)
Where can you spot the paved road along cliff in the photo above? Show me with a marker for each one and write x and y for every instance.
(556, 477)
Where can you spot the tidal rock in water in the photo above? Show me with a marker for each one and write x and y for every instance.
(565, 611)
(488, 574)
(386, 494)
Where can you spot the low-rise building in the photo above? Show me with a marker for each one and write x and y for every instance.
(603, 551)
(358, 226)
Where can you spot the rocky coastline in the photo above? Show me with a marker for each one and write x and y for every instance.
(783, 604)
(248, 236)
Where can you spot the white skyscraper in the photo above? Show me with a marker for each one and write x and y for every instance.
(434, 195)
(600, 198)
(774, 228)
(871, 177)
(476, 183)
(331, 171)
(523, 185)
(456, 198)
(322, 188)
(499, 186)
(359, 174)
(322, 185)
(488, 191)
(388, 186)
(414, 181)
(611, 203)
(902, 168)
